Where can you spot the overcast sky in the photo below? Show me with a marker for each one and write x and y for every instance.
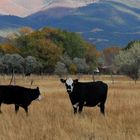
(26, 7)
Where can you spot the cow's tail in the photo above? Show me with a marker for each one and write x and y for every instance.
(106, 90)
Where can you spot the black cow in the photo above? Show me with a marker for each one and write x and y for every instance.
(20, 96)
(87, 94)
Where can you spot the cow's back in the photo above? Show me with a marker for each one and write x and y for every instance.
(90, 87)
(12, 94)
(91, 92)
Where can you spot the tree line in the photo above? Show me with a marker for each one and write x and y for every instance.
(51, 50)
(48, 50)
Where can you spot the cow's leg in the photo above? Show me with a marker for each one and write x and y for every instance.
(0, 109)
(26, 109)
(75, 110)
(102, 108)
(75, 106)
(16, 108)
(81, 104)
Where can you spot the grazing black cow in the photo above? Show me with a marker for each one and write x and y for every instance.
(87, 94)
(20, 96)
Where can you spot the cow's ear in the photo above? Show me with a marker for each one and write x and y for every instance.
(63, 81)
(37, 88)
(75, 81)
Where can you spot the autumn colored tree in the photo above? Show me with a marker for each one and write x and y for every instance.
(49, 54)
(91, 56)
(72, 43)
(24, 31)
(48, 46)
(109, 55)
(9, 48)
(73, 69)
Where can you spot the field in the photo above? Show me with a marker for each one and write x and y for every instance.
(52, 118)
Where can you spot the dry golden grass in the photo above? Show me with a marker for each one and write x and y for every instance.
(52, 118)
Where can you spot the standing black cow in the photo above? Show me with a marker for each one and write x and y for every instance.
(20, 96)
(86, 94)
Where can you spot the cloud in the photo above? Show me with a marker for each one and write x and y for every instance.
(20, 7)
(96, 30)
(26, 7)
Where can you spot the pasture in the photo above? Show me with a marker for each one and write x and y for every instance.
(52, 118)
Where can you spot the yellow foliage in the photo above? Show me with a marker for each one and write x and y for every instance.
(73, 68)
(8, 48)
(25, 30)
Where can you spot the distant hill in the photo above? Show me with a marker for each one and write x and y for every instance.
(2, 39)
(13, 22)
(104, 23)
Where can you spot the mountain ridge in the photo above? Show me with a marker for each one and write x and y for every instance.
(120, 21)
(26, 7)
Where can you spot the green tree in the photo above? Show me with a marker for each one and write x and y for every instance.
(131, 44)
(31, 65)
(81, 64)
(49, 45)
(60, 69)
(13, 62)
(128, 61)
(72, 43)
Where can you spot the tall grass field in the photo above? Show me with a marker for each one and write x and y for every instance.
(52, 118)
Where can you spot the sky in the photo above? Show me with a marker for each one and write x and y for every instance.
(26, 7)
(23, 8)
(20, 7)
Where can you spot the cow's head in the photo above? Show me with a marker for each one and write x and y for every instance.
(69, 83)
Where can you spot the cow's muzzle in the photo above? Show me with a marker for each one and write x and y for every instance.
(69, 91)
(39, 98)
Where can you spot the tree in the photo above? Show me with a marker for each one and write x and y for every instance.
(128, 61)
(131, 44)
(60, 69)
(73, 69)
(74, 45)
(81, 64)
(71, 43)
(109, 54)
(25, 30)
(67, 61)
(49, 45)
(31, 65)
(2, 67)
(9, 48)
(13, 62)
(91, 57)
(49, 54)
